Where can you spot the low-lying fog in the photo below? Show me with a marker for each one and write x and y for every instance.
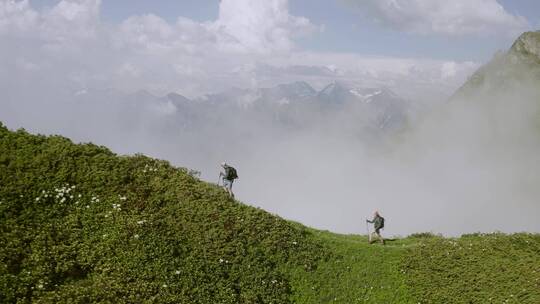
(326, 158)
(461, 167)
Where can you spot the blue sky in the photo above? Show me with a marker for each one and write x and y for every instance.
(345, 28)
(419, 48)
(65, 58)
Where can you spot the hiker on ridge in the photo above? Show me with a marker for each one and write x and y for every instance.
(378, 224)
(228, 175)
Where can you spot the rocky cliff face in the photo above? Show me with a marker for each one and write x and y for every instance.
(516, 71)
(527, 48)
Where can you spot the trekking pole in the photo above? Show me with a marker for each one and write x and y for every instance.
(367, 227)
(367, 230)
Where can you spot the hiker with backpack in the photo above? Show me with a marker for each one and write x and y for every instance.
(227, 176)
(378, 224)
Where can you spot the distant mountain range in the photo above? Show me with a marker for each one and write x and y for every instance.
(291, 105)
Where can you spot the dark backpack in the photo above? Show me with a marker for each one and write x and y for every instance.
(231, 173)
(379, 222)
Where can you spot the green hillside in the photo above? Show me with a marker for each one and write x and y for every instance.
(79, 224)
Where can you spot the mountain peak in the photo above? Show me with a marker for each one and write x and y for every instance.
(333, 87)
(175, 97)
(519, 65)
(527, 45)
(143, 95)
(300, 88)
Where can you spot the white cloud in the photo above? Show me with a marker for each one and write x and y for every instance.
(456, 17)
(251, 43)
(261, 26)
(70, 20)
(16, 17)
(258, 27)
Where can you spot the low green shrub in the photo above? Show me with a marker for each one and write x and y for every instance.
(81, 224)
(476, 268)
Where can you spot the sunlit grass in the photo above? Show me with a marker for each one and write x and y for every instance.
(80, 224)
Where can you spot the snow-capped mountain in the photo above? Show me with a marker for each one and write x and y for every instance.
(380, 106)
(292, 106)
(335, 93)
(287, 93)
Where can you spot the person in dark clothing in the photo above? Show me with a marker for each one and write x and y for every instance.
(378, 224)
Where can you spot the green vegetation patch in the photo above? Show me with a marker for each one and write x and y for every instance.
(355, 272)
(79, 224)
(476, 268)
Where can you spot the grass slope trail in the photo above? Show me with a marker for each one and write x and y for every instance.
(356, 273)
(424, 268)
(79, 224)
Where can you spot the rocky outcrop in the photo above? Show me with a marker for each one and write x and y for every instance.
(513, 72)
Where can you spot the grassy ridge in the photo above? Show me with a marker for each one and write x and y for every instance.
(79, 224)
(476, 268)
(356, 273)
(423, 268)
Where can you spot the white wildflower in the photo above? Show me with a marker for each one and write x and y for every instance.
(294, 243)
(221, 260)
(40, 286)
(164, 285)
(177, 272)
(136, 236)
